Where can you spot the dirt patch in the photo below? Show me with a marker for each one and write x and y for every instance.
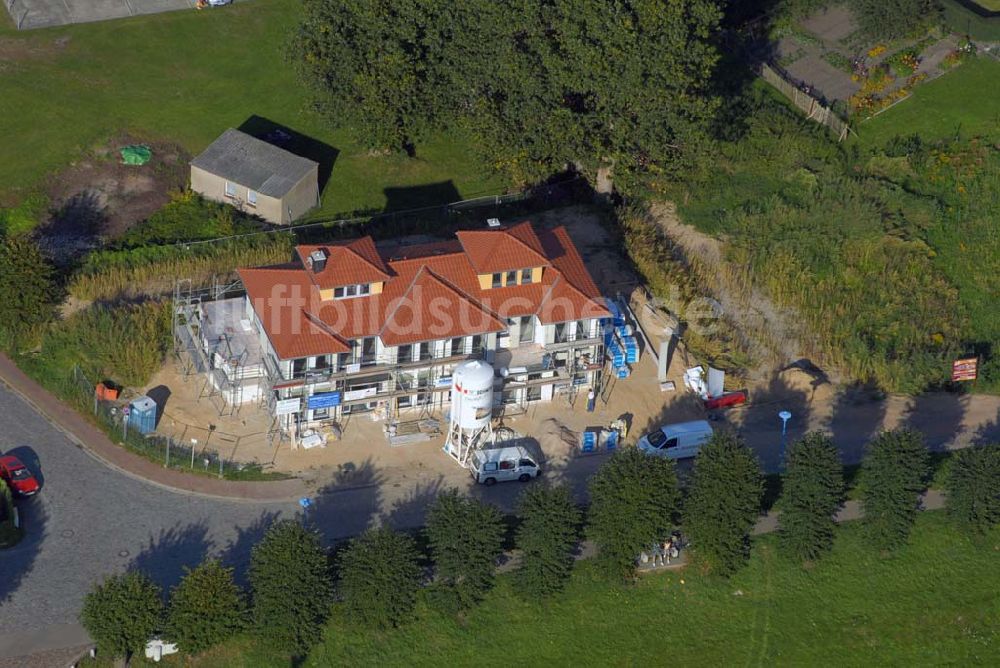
(14, 50)
(98, 198)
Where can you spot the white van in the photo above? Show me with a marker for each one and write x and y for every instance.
(676, 441)
(502, 464)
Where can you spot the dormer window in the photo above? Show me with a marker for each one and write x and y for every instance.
(525, 276)
(348, 291)
(498, 280)
(512, 277)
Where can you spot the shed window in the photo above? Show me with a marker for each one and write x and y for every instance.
(251, 197)
(230, 189)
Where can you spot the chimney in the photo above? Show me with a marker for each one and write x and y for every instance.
(318, 258)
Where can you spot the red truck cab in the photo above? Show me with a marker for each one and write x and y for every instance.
(17, 476)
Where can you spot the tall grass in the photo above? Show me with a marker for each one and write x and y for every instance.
(890, 259)
(152, 270)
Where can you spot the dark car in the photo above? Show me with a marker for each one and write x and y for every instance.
(17, 476)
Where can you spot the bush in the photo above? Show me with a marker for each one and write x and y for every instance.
(188, 217)
(547, 536)
(466, 539)
(812, 490)
(886, 19)
(9, 534)
(206, 608)
(633, 498)
(973, 487)
(724, 503)
(893, 476)
(291, 586)
(379, 578)
(122, 613)
(28, 291)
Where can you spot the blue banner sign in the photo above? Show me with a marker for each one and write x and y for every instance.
(324, 400)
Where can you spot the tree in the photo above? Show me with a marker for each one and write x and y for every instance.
(974, 488)
(547, 536)
(812, 490)
(893, 476)
(122, 613)
(887, 19)
(379, 577)
(206, 608)
(632, 502)
(466, 538)
(539, 84)
(291, 586)
(724, 502)
(28, 290)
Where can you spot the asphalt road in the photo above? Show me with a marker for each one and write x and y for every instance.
(90, 521)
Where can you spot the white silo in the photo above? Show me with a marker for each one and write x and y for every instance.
(471, 418)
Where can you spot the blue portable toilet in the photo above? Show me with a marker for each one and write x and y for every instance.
(142, 415)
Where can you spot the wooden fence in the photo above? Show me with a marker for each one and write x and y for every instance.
(812, 107)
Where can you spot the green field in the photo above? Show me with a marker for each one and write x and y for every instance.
(957, 104)
(932, 603)
(185, 77)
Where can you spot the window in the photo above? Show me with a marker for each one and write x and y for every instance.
(321, 413)
(350, 290)
(338, 293)
(672, 443)
(404, 353)
(299, 366)
(490, 467)
(322, 362)
(423, 351)
(251, 197)
(526, 463)
(477, 343)
(230, 189)
(364, 289)
(368, 350)
(560, 336)
(525, 276)
(507, 465)
(512, 277)
(457, 346)
(656, 438)
(527, 329)
(582, 329)
(497, 280)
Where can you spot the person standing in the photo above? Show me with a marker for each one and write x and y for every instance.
(591, 400)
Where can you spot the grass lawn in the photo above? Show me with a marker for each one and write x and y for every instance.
(185, 77)
(956, 103)
(933, 603)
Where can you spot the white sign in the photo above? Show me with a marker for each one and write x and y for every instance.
(288, 406)
(353, 368)
(354, 395)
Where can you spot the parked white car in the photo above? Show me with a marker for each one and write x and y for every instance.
(495, 465)
(676, 441)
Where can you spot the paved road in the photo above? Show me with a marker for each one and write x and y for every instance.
(90, 521)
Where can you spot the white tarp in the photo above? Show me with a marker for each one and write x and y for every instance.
(694, 380)
(716, 382)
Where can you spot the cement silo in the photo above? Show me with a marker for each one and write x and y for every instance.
(471, 417)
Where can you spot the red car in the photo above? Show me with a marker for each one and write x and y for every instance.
(17, 476)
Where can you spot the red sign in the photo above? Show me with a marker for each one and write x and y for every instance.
(964, 369)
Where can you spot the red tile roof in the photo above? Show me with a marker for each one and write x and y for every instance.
(503, 249)
(347, 263)
(431, 291)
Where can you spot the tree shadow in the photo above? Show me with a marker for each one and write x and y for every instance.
(236, 553)
(295, 142)
(760, 426)
(858, 415)
(409, 512)
(29, 458)
(17, 562)
(988, 433)
(401, 198)
(938, 416)
(337, 515)
(73, 228)
(165, 556)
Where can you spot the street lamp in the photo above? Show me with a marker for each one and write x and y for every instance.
(785, 417)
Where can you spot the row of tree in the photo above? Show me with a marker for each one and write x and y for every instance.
(635, 500)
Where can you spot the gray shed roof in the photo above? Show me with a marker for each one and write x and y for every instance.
(253, 163)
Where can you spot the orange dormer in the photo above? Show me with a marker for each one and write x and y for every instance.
(347, 269)
(505, 256)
